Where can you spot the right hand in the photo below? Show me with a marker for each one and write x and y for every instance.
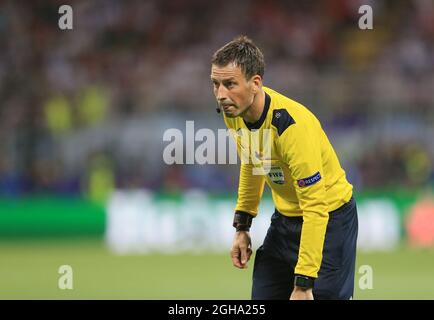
(241, 249)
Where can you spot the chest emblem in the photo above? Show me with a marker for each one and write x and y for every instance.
(276, 175)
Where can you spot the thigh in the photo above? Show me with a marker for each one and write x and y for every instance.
(336, 275)
(349, 255)
(272, 278)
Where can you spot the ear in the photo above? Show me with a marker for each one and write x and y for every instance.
(256, 83)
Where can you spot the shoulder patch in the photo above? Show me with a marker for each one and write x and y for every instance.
(281, 120)
(309, 180)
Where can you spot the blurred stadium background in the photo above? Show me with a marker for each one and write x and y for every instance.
(83, 112)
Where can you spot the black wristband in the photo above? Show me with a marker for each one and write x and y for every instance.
(242, 221)
(304, 282)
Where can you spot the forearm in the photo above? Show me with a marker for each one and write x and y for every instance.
(311, 244)
(312, 201)
(250, 190)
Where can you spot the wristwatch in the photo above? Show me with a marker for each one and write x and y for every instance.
(303, 282)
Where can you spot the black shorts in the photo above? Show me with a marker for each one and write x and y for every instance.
(273, 274)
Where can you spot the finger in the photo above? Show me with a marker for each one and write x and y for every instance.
(235, 256)
(249, 253)
(244, 256)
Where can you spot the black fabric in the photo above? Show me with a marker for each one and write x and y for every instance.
(242, 221)
(281, 120)
(261, 120)
(273, 274)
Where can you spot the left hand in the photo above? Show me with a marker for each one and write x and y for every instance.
(301, 294)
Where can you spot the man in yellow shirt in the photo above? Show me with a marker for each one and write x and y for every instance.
(310, 248)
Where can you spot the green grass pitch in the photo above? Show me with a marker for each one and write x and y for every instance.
(29, 270)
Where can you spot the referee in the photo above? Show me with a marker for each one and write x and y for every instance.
(310, 248)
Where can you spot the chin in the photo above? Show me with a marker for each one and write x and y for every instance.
(230, 115)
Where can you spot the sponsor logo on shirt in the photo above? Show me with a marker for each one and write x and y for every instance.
(309, 180)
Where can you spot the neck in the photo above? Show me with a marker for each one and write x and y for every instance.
(254, 112)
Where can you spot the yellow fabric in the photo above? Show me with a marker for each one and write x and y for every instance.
(299, 152)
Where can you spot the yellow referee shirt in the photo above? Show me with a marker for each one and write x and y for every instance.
(288, 149)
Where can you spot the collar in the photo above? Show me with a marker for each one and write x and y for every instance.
(258, 124)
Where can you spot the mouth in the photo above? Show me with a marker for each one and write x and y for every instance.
(226, 107)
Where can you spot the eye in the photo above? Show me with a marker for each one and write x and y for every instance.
(230, 84)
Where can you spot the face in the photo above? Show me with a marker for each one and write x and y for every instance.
(234, 93)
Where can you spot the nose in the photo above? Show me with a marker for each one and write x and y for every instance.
(221, 93)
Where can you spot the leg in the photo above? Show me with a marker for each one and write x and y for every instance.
(349, 256)
(336, 275)
(272, 278)
(273, 273)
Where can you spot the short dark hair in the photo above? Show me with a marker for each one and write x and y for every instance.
(244, 53)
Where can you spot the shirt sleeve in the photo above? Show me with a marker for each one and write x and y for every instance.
(251, 183)
(301, 151)
(250, 190)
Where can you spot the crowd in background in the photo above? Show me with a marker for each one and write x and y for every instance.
(82, 110)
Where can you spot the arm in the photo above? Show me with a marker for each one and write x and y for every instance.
(250, 191)
(301, 150)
